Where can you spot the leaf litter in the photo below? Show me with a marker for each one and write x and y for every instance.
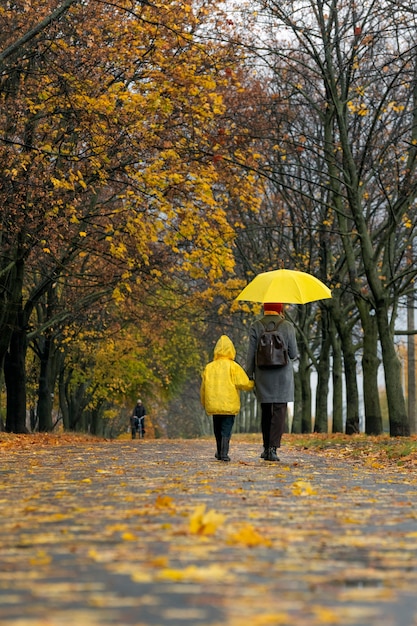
(158, 532)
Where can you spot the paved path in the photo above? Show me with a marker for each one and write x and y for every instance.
(112, 533)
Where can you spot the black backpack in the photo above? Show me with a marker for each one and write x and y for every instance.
(272, 349)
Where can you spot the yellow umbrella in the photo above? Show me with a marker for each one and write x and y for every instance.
(288, 286)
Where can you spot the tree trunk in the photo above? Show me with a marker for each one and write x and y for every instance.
(296, 418)
(305, 391)
(337, 381)
(411, 365)
(77, 404)
(321, 424)
(44, 349)
(63, 405)
(352, 395)
(11, 285)
(370, 366)
(15, 379)
(349, 361)
(45, 389)
(254, 421)
(96, 423)
(306, 421)
(398, 419)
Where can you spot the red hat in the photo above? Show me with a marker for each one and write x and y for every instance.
(276, 307)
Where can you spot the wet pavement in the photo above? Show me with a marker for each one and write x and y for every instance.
(160, 533)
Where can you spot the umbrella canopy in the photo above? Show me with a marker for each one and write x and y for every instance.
(288, 286)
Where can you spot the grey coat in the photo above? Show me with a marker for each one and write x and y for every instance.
(272, 385)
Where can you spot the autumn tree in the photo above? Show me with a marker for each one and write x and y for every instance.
(107, 159)
(279, 233)
(341, 77)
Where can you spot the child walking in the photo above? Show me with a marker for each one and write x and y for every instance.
(222, 380)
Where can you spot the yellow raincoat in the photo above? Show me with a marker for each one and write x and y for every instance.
(222, 380)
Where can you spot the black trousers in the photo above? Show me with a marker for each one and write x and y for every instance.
(273, 419)
(222, 426)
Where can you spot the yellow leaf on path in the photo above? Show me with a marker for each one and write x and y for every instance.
(163, 502)
(247, 535)
(159, 561)
(303, 488)
(140, 576)
(115, 528)
(193, 573)
(375, 464)
(205, 523)
(40, 558)
(171, 574)
(326, 615)
(92, 553)
(129, 536)
(271, 619)
(351, 520)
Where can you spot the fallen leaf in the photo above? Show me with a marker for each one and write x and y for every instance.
(247, 535)
(205, 523)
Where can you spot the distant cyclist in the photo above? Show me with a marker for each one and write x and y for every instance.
(139, 413)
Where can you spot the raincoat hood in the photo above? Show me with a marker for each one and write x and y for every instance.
(224, 348)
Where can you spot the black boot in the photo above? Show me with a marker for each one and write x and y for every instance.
(264, 454)
(224, 451)
(272, 455)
